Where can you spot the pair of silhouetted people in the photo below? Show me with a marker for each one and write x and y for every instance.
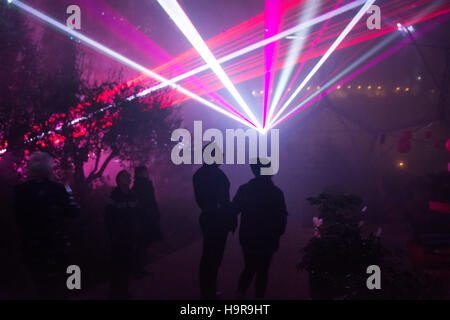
(132, 221)
(263, 220)
(41, 206)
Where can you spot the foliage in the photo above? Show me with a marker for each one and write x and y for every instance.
(46, 100)
(105, 126)
(338, 248)
(338, 255)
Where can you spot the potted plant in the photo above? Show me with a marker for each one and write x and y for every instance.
(337, 257)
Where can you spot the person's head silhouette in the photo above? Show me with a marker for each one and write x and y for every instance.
(212, 155)
(123, 180)
(257, 164)
(40, 165)
(141, 172)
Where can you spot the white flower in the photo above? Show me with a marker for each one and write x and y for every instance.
(317, 222)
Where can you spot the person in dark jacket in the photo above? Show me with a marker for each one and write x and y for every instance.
(121, 220)
(148, 225)
(262, 223)
(41, 206)
(212, 194)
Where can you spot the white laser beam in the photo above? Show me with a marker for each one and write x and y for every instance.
(295, 50)
(257, 45)
(117, 56)
(324, 58)
(179, 17)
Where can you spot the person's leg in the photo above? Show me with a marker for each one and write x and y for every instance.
(262, 275)
(204, 268)
(213, 250)
(219, 249)
(140, 254)
(120, 271)
(247, 274)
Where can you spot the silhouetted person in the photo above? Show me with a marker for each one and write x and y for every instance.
(212, 193)
(121, 219)
(148, 226)
(41, 206)
(263, 221)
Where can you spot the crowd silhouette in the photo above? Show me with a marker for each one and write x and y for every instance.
(132, 221)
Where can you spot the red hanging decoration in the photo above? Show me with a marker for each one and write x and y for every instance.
(403, 145)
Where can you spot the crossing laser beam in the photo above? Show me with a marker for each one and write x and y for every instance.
(295, 50)
(324, 58)
(257, 45)
(179, 17)
(120, 58)
(338, 79)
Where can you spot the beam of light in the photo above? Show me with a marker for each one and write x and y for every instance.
(232, 37)
(324, 58)
(253, 62)
(109, 52)
(255, 46)
(295, 50)
(336, 81)
(139, 78)
(299, 70)
(272, 22)
(179, 17)
(390, 14)
(145, 92)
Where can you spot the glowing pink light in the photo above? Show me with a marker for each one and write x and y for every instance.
(272, 24)
(325, 57)
(311, 49)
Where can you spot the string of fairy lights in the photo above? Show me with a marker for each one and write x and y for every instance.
(396, 89)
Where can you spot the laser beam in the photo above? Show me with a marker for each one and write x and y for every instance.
(257, 45)
(272, 22)
(179, 17)
(118, 57)
(295, 50)
(337, 80)
(324, 58)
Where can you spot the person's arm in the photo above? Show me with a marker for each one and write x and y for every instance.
(199, 193)
(71, 207)
(236, 205)
(282, 213)
(154, 203)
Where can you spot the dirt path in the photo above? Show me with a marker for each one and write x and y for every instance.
(176, 275)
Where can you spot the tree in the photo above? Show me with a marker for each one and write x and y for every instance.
(46, 99)
(104, 126)
(17, 79)
(35, 82)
